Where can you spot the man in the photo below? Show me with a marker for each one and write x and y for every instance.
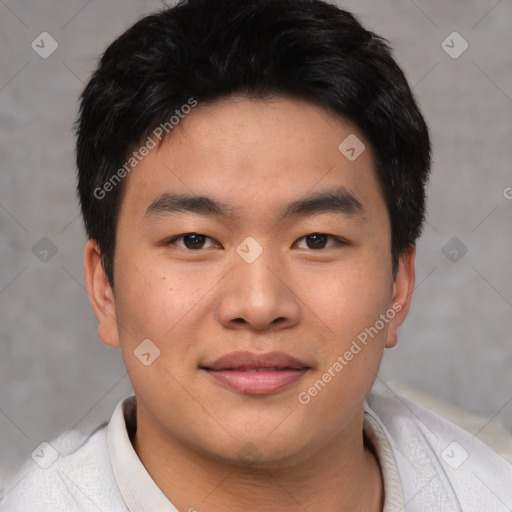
(251, 177)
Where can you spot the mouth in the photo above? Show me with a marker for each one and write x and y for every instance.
(256, 374)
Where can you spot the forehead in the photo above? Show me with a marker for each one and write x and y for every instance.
(255, 155)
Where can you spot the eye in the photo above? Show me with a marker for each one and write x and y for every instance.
(319, 240)
(196, 241)
(193, 241)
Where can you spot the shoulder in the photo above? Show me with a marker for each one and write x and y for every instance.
(79, 480)
(441, 466)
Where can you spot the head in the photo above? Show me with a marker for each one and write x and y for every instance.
(286, 121)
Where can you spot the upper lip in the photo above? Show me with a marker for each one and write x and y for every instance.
(249, 360)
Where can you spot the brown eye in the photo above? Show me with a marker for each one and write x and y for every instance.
(319, 240)
(192, 241)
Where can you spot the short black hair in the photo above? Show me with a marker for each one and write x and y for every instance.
(204, 50)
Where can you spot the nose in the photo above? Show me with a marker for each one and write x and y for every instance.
(259, 295)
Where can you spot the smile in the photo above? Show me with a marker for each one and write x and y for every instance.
(256, 374)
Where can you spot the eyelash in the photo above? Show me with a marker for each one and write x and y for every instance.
(339, 241)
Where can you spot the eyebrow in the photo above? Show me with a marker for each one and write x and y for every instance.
(339, 201)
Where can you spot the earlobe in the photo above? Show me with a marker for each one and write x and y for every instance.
(100, 294)
(403, 286)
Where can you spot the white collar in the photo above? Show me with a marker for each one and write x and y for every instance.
(139, 491)
(141, 494)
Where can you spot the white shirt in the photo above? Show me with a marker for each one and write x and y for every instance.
(428, 465)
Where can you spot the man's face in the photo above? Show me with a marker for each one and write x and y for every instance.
(254, 281)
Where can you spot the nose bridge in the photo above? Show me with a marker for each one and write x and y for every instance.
(256, 270)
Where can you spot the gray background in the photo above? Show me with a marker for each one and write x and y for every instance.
(56, 375)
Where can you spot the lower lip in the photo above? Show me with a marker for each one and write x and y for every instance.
(257, 383)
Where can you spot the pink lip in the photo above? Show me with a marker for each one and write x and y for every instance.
(256, 374)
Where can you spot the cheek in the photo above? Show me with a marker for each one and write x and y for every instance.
(351, 352)
(351, 306)
(347, 298)
(158, 304)
(152, 298)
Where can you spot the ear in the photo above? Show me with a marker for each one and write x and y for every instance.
(403, 286)
(100, 294)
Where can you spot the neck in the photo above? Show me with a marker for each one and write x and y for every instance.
(343, 474)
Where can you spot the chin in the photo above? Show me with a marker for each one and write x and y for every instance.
(261, 453)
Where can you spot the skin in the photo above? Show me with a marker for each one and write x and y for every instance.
(199, 304)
